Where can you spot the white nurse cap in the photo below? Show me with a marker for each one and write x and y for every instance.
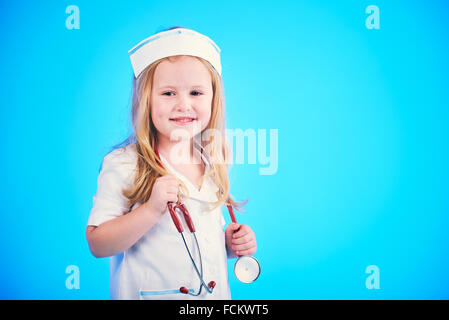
(179, 41)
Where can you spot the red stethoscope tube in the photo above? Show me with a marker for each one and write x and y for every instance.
(172, 209)
(231, 213)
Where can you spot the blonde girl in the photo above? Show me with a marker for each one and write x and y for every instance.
(177, 154)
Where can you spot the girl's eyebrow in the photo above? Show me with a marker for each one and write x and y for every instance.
(172, 87)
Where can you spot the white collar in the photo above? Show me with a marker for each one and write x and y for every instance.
(208, 190)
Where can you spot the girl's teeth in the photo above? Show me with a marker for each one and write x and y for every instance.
(184, 120)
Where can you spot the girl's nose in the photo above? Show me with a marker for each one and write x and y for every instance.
(183, 104)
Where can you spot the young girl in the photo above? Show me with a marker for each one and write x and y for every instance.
(177, 155)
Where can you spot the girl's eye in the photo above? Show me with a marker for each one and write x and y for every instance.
(194, 93)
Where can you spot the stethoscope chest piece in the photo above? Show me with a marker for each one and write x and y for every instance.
(247, 269)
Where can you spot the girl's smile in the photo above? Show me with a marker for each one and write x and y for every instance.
(183, 120)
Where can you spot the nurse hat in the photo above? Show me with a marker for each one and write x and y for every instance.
(177, 41)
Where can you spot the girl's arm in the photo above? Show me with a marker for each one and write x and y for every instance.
(119, 234)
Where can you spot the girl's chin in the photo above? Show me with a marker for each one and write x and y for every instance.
(186, 129)
(181, 134)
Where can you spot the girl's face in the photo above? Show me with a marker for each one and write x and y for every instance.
(181, 98)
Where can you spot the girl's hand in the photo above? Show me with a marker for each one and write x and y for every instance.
(165, 189)
(240, 239)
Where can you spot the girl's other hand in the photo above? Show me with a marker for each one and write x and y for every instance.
(240, 239)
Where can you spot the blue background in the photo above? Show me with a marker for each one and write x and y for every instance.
(363, 126)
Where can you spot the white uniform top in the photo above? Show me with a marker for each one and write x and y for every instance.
(157, 265)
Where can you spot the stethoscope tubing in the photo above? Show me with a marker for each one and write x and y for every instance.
(200, 274)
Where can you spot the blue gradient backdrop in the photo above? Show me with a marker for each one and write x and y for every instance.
(363, 126)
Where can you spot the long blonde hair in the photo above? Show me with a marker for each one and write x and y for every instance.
(144, 138)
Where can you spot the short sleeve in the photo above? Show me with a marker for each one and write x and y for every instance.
(117, 173)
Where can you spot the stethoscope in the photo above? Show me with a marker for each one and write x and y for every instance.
(246, 268)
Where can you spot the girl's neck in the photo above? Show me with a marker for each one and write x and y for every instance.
(177, 152)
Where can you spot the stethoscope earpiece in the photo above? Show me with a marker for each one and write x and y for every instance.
(184, 290)
(211, 286)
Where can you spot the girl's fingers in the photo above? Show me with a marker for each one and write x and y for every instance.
(242, 232)
(233, 226)
(170, 180)
(247, 252)
(172, 185)
(245, 246)
(172, 189)
(246, 238)
(172, 197)
(169, 177)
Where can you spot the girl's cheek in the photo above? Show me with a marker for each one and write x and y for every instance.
(205, 119)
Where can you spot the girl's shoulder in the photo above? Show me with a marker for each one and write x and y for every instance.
(124, 158)
(126, 153)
